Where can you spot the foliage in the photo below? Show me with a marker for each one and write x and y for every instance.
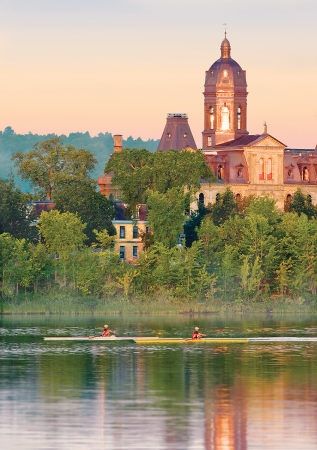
(166, 215)
(224, 207)
(101, 146)
(15, 217)
(93, 208)
(51, 163)
(302, 204)
(138, 172)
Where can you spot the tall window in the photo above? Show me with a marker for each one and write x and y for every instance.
(209, 141)
(269, 169)
(225, 118)
(135, 232)
(201, 199)
(135, 251)
(122, 252)
(122, 232)
(212, 117)
(305, 174)
(239, 118)
(261, 169)
(220, 172)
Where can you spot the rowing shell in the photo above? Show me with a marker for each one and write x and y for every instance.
(158, 340)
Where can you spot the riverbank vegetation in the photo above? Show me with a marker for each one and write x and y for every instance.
(232, 253)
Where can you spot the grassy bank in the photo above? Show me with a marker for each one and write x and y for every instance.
(65, 303)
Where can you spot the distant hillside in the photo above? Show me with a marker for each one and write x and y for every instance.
(101, 146)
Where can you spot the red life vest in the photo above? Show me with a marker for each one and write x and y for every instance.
(196, 335)
(106, 333)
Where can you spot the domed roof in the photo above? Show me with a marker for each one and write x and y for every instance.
(225, 71)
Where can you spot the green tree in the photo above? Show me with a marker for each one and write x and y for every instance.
(224, 207)
(263, 206)
(15, 215)
(93, 208)
(63, 235)
(50, 163)
(137, 172)
(166, 215)
(132, 171)
(302, 204)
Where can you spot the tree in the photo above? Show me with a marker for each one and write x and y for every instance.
(132, 174)
(302, 204)
(263, 206)
(136, 172)
(224, 207)
(166, 215)
(15, 216)
(63, 235)
(50, 163)
(94, 209)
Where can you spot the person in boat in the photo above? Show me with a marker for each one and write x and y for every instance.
(106, 332)
(196, 334)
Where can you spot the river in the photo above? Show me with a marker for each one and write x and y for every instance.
(92, 395)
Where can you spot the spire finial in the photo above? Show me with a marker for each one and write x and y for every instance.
(225, 25)
(225, 45)
(265, 127)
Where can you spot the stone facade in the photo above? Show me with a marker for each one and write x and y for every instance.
(248, 164)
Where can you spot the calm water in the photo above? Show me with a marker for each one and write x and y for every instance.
(123, 396)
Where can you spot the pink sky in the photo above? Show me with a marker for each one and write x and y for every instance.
(122, 66)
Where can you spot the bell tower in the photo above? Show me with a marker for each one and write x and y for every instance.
(225, 100)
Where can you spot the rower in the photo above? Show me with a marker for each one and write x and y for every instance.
(196, 334)
(107, 332)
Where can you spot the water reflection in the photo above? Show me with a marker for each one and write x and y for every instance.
(219, 397)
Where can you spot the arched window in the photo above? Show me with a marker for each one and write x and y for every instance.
(288, 202)
(220, 172)
(238, 198)
(261, 169)
(269, 169)
(239, 117)
(240, 172)
(225, 118)
(305, 174)
(201, 199)
(212, 117)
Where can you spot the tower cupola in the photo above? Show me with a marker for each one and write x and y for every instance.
(225, 100)
(225, 48)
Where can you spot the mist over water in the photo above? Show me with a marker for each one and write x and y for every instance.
(79, 395)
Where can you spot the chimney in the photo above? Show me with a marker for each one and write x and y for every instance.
(117, 143)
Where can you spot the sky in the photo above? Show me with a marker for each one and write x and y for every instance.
(122, 65)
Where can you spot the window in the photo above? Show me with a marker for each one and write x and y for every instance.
(201, 199)
(122, 252)
(220, 172)
(269, 169)
(239, 118)
(209, 141)
(135, 232)
(122, 232)
(225, 118)
(169, 135)
(185, 135)
(305, 174)
(240, 172)
(261, 169)
(135, 251)
(212, 117)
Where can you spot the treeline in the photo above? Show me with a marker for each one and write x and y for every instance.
(101, 146)
(253, 253)
(239, 250)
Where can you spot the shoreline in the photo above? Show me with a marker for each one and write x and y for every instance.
(65, 304)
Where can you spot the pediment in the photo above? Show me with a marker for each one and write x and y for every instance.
(266, 140)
